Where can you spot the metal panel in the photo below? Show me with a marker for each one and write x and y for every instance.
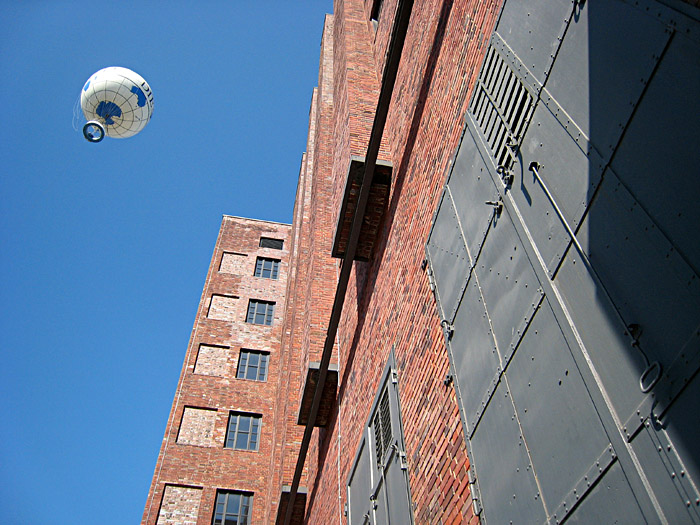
(571, 174)
(359, 487)
(508, 284)
(448, 257)
(471, 186)
(533, 30)
(543, 369)
(616, 362)
(393, 505)
(474, 356)
(610, 501)
(670, 480)
(661, 143)
(592, 74)
(650, 284)
(508, 488)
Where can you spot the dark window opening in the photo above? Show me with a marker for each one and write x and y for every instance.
(376, 8)
(275, 244)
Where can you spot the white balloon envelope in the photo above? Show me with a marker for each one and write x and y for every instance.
(116, 102)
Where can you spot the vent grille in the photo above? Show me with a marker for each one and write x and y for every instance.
(501, 106)
(382, 427)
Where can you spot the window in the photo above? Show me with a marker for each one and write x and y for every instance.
(233, 507)
(260, 312)
(267, 268)
(252, 365)
(243, 431)
(275, 244)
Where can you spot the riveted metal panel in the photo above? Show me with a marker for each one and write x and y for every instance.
(508, 284)
(610, 501)
(600, 71)
(448, 257)
(670, 479)
(393, 505)
(650, 284)
(471, 186)
(570, 174)
(506, 481)
(474, 356)
(616, 362)
(533, 30)
(661, 142)
(544, 369)
(359, 486)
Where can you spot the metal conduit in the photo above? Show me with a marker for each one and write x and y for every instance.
(398, 37)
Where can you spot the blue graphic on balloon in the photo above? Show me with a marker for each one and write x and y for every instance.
(87, 84)
(107, 110)
(141, 102)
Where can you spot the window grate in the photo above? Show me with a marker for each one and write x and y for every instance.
(501, 106)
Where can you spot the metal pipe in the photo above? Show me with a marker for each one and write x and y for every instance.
(398, 37)
(534, 165)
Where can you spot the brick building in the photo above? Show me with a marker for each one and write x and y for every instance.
(488, 304)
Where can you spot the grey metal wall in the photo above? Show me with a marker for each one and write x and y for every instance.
(565, 258)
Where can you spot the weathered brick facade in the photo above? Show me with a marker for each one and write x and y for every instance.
(193, 462)
(388, 303)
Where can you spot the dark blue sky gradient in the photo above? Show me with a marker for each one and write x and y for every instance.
(104, 247)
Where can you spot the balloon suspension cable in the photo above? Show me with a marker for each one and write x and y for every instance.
(94, 131)
(78, 117)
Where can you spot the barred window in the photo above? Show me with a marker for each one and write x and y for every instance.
(260, 312)
(243, 431)
(232, 507)
(252, 364)
(267, 268)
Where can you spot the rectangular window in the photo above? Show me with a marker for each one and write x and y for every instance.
(252, 365)
(267, 268)
(233, 507)
(243, 431)
(275, 244)
(260, 312)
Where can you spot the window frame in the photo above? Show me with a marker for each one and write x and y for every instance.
(219, 516)
(272, 272)
(263, 357)
(268, 312)
(254, 420)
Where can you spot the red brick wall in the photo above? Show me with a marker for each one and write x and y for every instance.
(206, 464)
(389, 301)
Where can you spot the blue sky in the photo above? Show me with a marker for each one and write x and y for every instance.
(104, 247)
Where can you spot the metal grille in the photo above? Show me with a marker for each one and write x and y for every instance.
(501, 106)
(382, 427)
